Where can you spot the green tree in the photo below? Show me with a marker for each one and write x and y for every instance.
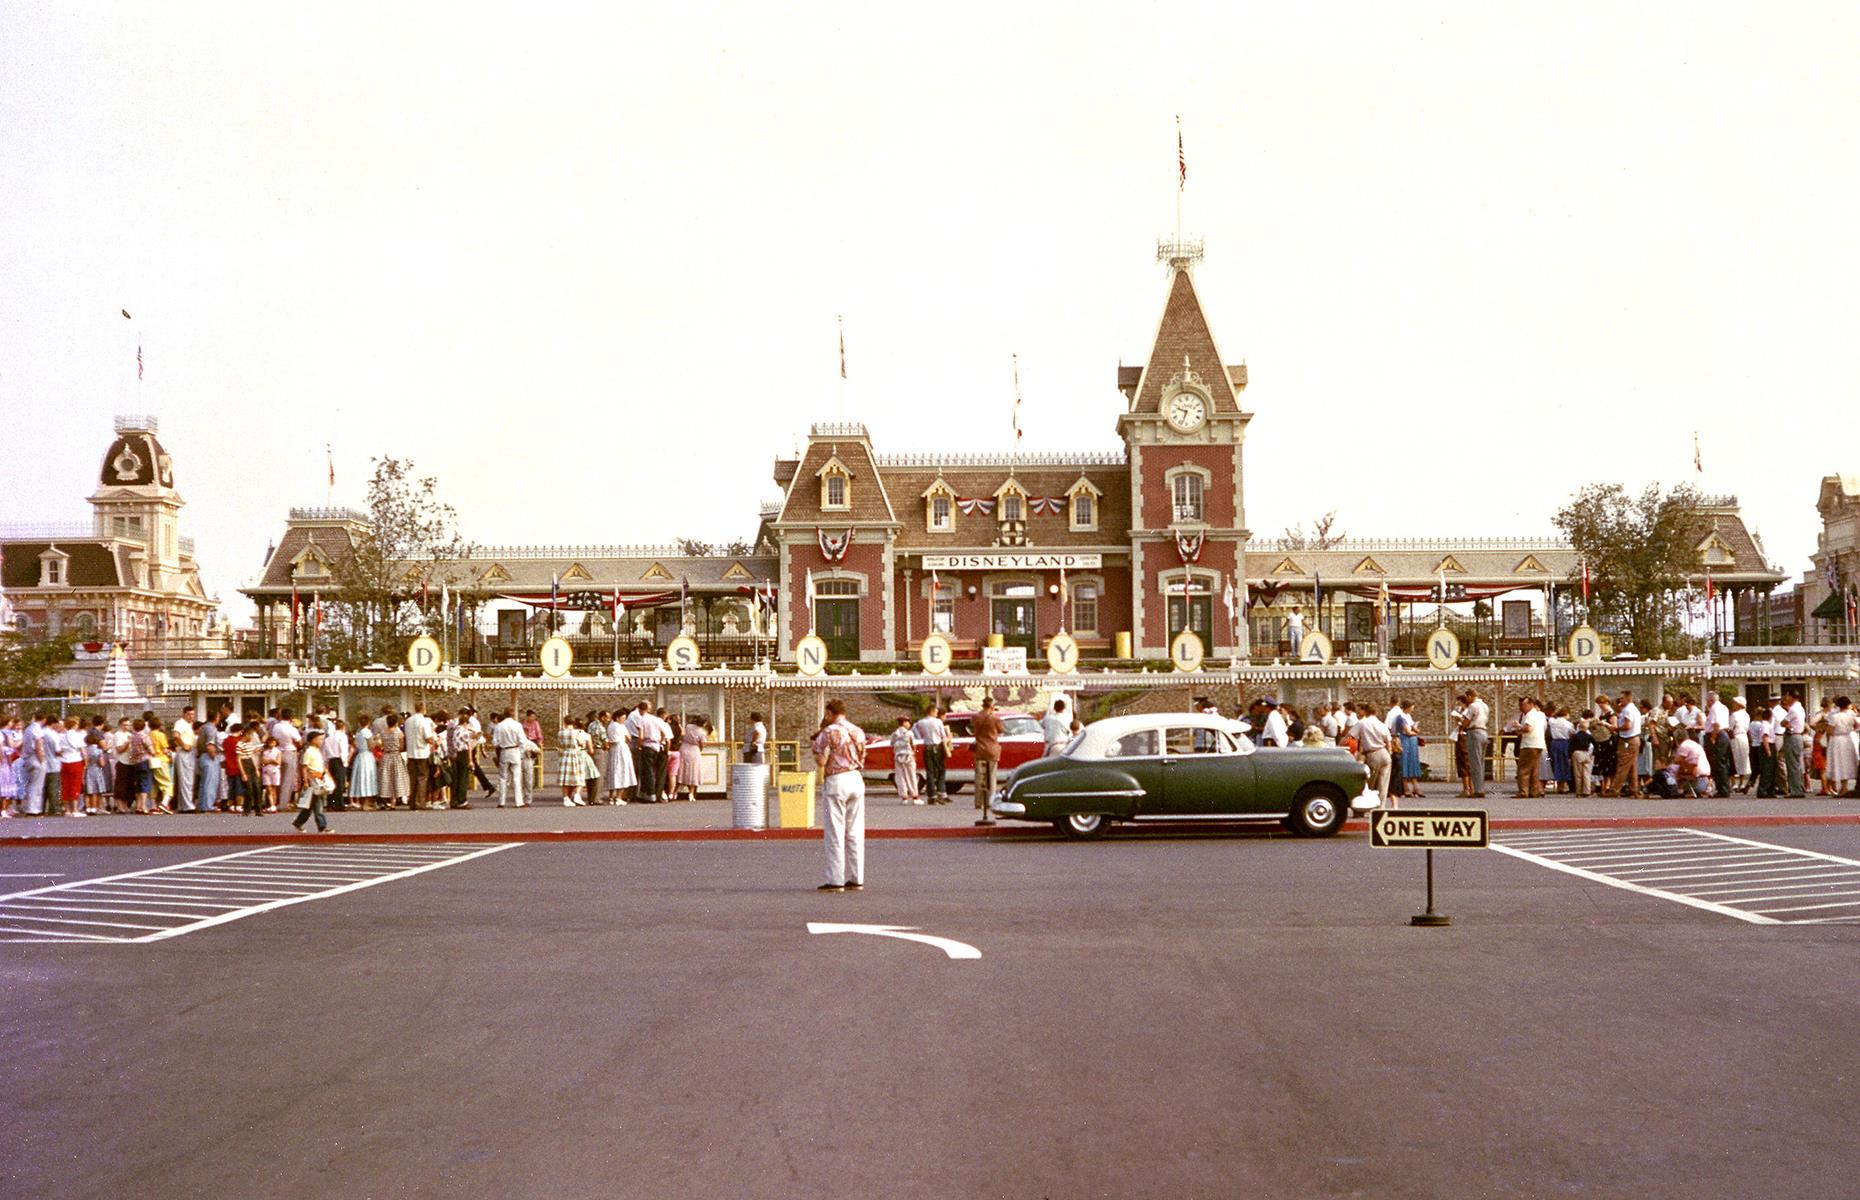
(27, 667)
(391, 580)
(1639, 551)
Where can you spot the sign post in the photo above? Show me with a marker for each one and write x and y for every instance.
(1430, 829)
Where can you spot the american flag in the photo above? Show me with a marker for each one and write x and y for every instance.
(1181, 158)
(1017, 401)
(842, 347)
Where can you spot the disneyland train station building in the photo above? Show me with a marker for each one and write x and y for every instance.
(1123, 547)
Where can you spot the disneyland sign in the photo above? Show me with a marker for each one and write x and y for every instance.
(1012, 562)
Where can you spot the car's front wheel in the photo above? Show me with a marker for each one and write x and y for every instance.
(1084, 826)
(1319, 811)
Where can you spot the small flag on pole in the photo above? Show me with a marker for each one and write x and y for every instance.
(126, 315)
(1017, 401)
(138, 360)
(1181, 158)
(1227, 596)
(1585, 582)
(1698, 462)
(842, 347)
(329, 453)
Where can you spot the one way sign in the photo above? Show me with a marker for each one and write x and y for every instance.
(1428, 828)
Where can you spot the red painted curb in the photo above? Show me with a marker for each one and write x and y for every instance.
(942, 834)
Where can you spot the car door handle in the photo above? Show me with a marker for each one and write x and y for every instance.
(1168, 762)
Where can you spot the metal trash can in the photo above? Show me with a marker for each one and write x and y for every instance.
(749, 796)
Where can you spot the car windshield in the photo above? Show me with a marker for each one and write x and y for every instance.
(1014, 726)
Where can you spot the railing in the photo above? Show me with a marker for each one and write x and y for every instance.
(852, 429)
(1096, 458)
(76, 531)
(329, 514)
(1438, 545)
(479, 553)
(138, 423)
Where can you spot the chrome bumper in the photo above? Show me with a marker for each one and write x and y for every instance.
(1006, 808)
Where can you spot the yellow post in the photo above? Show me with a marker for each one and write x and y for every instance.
(1121, 647)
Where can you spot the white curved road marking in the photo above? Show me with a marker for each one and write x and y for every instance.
(948, 946)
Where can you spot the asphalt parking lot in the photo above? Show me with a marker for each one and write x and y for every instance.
(1157, 1016)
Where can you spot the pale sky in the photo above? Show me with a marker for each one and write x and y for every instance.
(586, 268)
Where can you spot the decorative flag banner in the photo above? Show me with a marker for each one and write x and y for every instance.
(297, 608)
(842, 347)
(807, 585)
(1227, 596)
(1046, 504)
(138, 360)
(1188, 545)
(971, 506)
(319, 615)
(329, 453)
(1181, 157)
(1698, 463)
(1585, 582)
(833, 546)
(1317, 594)
(1265, 590)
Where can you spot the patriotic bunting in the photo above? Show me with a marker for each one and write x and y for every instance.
(833, 546)
(1188, 545)
(972, 505)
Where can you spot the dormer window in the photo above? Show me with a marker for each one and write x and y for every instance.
(1011, 501)
(1082, 506)
(835, 486)
(53, 568)
(939, 507)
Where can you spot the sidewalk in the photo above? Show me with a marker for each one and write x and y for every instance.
(547, 820)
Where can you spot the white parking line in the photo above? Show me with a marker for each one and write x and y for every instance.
(229, 887)
(1716, 872)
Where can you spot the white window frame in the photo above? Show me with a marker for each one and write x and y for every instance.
(1083, 488)
(948, 523)
(1205, 480)
(827, 503)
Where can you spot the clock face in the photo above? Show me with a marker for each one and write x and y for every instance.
(1187, 411)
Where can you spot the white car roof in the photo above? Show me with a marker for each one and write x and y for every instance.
(1102, 733)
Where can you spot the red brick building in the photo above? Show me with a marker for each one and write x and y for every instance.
(1142, 538)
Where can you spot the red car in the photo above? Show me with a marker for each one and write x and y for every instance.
(1021, 742)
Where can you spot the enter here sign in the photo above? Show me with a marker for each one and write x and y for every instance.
(1428, 828)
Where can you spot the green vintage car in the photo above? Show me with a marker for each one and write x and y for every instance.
(1184, 767)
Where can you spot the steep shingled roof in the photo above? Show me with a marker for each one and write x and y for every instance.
(1183, 334)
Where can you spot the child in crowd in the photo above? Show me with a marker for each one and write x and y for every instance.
(271, 771)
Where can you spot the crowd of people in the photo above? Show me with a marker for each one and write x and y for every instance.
(321, 762)
(414, 761)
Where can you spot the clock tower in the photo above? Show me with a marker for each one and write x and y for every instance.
(1183, 430)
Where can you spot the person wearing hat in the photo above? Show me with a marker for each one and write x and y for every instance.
(1272, 731)
(1740, 745)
